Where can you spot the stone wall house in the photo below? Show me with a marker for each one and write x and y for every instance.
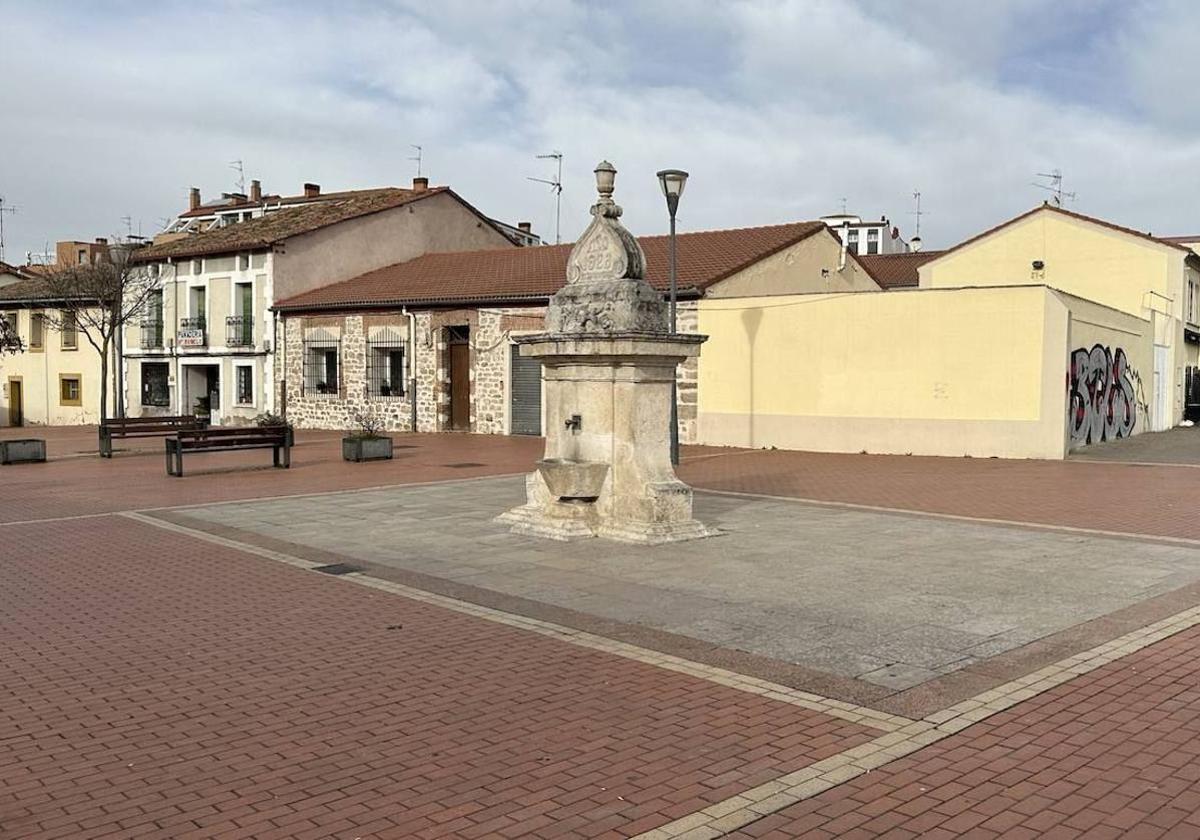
(467, 308)
(208, 341)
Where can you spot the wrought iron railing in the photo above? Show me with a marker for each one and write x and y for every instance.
(152, 334)
(239, 331)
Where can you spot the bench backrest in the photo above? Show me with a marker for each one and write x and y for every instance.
(182, 420)
(231, 436)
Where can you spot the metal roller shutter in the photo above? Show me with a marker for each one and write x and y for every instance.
(525, 378)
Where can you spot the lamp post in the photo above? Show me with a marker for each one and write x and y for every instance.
(672, 182)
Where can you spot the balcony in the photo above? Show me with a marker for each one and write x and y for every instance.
(193, 332)
(239, 331)
(152, 334)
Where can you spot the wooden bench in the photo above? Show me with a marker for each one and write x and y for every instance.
(276, 438)
(129, 427)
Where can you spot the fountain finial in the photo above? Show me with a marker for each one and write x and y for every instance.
(606, 290)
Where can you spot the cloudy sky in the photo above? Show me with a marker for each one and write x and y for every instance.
(780, 110)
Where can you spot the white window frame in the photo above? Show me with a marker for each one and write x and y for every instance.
(253, 385)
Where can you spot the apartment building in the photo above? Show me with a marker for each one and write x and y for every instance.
(208, 342)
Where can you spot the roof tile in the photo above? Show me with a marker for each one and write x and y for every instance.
(538, 272)
(897, 271)
(265, 231)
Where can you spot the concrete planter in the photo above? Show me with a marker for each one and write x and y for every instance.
(366, 448)
(27, 451)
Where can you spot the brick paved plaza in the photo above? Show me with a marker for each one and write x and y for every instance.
(174, 666)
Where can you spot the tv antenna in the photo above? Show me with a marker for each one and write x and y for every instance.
(918, 213)
(557, 185)
(3, 210)
(1055, 189)
(416, 157)
(240, 169)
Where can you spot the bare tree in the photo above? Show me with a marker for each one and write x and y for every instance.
(99, 299)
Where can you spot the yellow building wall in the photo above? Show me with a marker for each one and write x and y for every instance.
(1082, 259)
(39, 372)
(811, 265)
(963, 372)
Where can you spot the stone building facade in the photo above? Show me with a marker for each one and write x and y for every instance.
(491, 332)
(352, 337)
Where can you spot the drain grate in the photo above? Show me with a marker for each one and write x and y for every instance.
(463, 465)
(336, 569)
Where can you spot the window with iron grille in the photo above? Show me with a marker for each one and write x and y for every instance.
(321, 363)
(245, 384)
(156, 388)
(385, 363)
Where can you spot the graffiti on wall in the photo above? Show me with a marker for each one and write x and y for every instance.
(1104, 400)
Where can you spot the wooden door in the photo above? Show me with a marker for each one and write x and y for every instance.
(460, 387)
(16, 408)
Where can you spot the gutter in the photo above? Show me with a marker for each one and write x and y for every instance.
(691, 292)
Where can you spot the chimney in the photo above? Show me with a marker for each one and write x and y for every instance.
(914, 244)
(525, 227)
(845, 246)
(420, 184)
(256, 191)
(194, 198)
(312, 190)
(100, 240)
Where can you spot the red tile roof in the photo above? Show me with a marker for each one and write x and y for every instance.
(285, 200)
(265, 231)
(538, 272)
(897, 271)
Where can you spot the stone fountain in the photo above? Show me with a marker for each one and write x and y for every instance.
(608, 362)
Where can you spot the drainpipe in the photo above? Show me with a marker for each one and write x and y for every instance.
(412, 363)
(175, 336)
(279, 376)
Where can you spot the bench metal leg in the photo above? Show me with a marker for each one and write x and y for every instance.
(287, 456)
(105, 444)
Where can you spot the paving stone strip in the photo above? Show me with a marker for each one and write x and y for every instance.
(835, 708)
(756, 803)
(957, 517)
(901, 737)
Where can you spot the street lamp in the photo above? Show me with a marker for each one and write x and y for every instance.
(672, 182)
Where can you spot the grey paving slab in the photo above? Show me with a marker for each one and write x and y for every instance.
(891, 599)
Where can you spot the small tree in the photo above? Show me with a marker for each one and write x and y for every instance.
(99, 299)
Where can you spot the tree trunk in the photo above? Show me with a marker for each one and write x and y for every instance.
(103, 383)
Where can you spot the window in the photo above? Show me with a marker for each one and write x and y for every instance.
(37, 330)
(873, 241)
(70, 389)
(852, 241)
(1190, 313)
(70, 331)
(385, 363)
(197, 266)
(245, 384)
(244, 262)
(321, 362)
(82, 257)
(156, 388)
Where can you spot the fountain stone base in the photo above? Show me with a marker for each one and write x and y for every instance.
(609, 474)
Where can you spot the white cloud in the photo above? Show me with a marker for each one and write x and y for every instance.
(777, 109)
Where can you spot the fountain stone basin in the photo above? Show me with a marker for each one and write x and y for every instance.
(573, 480)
